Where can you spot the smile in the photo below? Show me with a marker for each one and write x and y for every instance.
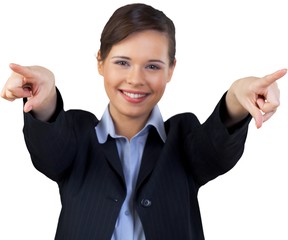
(134, 95)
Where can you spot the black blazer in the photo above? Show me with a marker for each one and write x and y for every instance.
(91, 181)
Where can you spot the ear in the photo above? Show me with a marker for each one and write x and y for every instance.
(171, 70)
(99, 63)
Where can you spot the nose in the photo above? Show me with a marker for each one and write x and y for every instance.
(135, 76)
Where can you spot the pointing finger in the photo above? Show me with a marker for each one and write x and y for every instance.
(270, 78)
(24, 71)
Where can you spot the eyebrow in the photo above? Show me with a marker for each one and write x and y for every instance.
(151, 60)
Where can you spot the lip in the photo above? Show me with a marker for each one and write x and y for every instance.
(133, 96)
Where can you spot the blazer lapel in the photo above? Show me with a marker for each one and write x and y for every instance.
(111, 154)
(152, 151)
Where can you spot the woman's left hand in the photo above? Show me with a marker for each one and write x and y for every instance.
(258, 96)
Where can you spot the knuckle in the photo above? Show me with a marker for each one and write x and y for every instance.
(10, 95)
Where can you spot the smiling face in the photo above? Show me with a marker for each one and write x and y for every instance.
(135, 73)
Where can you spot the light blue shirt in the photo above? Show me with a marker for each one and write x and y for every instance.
(128, 225)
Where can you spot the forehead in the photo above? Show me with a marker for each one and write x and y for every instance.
(149, 42)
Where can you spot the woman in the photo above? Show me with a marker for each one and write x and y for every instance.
(130, 175)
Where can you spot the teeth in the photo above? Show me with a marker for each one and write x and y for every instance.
(134, 95)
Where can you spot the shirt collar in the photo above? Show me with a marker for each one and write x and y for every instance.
(106, 126)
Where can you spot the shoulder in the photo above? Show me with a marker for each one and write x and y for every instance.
(183, 118)
(81, 117)
(182, 121)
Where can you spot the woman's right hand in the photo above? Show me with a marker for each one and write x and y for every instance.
(35, 83)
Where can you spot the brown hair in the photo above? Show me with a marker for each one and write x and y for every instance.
(133, 18)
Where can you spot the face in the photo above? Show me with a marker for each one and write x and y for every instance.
(135, 73)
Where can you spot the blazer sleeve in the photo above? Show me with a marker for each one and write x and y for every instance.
(212, 148)
(53, 145)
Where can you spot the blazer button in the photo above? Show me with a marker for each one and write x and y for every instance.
(146, 203)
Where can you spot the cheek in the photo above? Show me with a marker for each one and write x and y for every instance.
(111, 76)
(109, 79)
(159, 86)
(108, 84)
(111, 84)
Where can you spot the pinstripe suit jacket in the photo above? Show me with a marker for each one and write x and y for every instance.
(91, 181)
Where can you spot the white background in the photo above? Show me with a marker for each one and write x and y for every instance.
(217, 43)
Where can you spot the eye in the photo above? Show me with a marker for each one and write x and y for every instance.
(122, 63)
(153, 67)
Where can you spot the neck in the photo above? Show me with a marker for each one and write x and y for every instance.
(129, 127)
